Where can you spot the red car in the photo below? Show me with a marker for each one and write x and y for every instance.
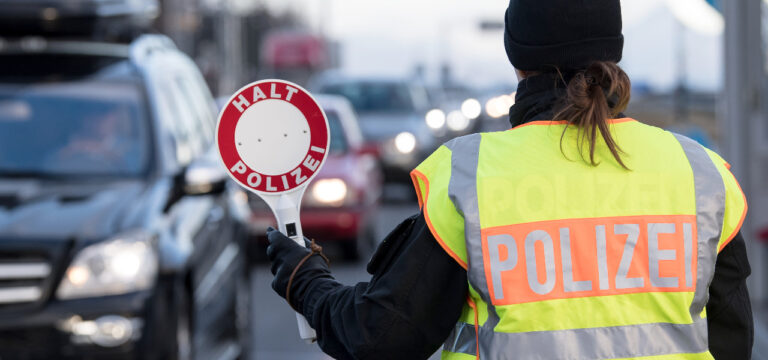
(340, 203)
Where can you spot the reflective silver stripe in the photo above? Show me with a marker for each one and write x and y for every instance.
(462, 190)
(593, 343)
(710, 210)
(462, 339)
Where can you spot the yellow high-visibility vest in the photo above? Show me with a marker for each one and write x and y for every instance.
(566, 260)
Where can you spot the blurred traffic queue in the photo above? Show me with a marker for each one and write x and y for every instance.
(391, 116)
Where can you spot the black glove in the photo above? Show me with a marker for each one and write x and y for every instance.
(285, 255)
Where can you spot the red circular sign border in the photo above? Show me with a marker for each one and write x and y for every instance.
(309, 107)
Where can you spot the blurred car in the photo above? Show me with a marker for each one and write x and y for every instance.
(120, 236)
(391, 117)
(340, 204)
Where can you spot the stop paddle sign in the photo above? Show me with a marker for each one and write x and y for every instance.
(273, 138)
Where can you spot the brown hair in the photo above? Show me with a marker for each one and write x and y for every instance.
(586, 105)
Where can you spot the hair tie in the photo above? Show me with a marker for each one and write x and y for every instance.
(591, 80)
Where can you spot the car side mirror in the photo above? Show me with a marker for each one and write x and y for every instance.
(204, 177)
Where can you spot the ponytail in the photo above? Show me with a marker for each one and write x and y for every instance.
(593, 96)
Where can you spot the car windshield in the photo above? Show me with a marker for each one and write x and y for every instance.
(367, 97)
(338, 139)
(73, 129)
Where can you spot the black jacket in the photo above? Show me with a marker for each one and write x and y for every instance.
(417, 291)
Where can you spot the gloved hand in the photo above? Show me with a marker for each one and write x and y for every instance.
(285, 255)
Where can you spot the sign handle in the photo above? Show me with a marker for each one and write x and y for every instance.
(287, 214)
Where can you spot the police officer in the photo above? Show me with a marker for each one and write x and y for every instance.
(578, 234)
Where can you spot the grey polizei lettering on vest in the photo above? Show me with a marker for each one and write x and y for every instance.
(656, 255)
(549, 262)
(633, 232)
(602, 257)
(688, 239)
(497, 266)
(565, 253)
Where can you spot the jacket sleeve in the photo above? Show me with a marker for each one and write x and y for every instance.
(729, 313)
(407, 309)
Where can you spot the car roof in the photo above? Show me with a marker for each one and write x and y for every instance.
(81, 58)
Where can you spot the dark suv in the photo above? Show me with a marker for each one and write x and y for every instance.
(120, 236)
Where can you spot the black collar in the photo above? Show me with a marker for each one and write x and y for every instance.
(538, 96)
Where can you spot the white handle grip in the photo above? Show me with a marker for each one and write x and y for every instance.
(288, 223)
(306, 332)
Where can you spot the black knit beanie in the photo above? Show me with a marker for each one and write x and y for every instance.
(567, 34)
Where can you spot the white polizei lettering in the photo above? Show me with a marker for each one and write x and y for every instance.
(549, 262)
(688, 248)
(238, 168)
(495, 243)
(317, 149)
(270, 187)
(291, 91)
(569, 285)
(274, 93)
(602, 257)
(311, 163)
(254, 179)
(656, 255)
(297, 176)
(241, 103)
(285, 182)
(258, 94)
(622, 281)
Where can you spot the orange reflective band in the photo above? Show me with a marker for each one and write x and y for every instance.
(741, 221)
(590, 257)
(418, 175)
(564, 122)
(415, 179)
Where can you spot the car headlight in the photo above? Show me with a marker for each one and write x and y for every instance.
(471, 108)
(329, 191)
(457, 121)
(405, 142)
(435, 119)
(123, 264)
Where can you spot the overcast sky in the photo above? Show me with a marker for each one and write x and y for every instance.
(392, 36)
